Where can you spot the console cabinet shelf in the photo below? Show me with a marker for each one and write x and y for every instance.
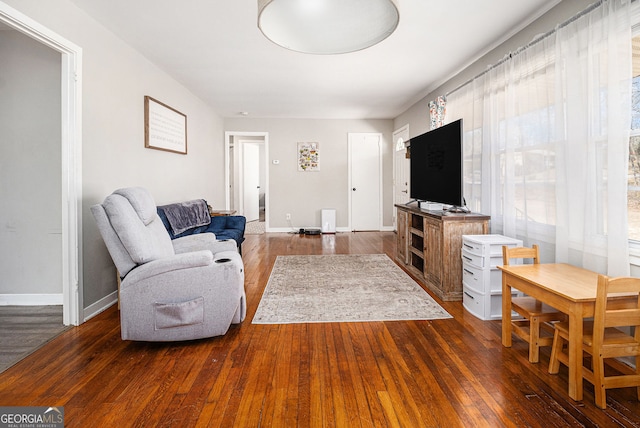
(429, 246)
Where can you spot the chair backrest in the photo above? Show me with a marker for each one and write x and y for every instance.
(132, 229)
(520, 253)
(607, 314)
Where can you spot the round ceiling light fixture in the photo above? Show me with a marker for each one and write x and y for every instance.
(327, 27)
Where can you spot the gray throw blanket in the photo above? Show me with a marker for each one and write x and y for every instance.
(187, 215)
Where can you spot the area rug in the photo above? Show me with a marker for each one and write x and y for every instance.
(342, 288)
(254, 228)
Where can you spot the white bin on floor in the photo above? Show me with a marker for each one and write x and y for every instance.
(328, 220)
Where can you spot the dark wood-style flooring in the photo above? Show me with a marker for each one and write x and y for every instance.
(23, 329)
(441, 373)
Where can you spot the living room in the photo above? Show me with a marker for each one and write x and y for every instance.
(112, 115)
(115, 78)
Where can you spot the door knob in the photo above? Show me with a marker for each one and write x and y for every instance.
(354, 189)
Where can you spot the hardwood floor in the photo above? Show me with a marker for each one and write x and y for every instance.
(441, 373)
(25, 329)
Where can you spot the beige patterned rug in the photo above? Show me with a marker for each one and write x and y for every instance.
(254, 228)
(342, 288)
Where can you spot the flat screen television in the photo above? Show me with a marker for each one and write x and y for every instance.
(436, 166)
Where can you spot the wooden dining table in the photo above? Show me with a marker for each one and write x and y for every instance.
(569, 289)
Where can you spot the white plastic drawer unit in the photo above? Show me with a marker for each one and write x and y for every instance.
(481, 278)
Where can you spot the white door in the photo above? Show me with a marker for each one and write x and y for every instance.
(401, 166)
(365, 177)
(401, 177)
(251, 182)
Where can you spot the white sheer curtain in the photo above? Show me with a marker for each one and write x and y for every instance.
(547, 137)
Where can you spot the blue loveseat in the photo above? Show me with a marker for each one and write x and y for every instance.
(197, 220)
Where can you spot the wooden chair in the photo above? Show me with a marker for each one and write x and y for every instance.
(602, 340)
(535, 314)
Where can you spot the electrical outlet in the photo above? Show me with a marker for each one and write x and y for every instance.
(288, 216)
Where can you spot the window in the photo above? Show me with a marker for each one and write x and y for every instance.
(633, 206)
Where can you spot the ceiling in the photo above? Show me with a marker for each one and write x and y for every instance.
(215, 49)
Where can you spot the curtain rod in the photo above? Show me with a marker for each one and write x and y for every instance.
(530, 44)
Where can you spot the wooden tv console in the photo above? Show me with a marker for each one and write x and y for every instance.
(430, 244)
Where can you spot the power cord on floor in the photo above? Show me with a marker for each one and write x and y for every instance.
(293, 230)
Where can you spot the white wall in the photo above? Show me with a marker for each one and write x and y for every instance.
(30, 170)
(115, 80)
(304, 194)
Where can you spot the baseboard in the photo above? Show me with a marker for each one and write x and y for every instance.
(279, 230)
(338, 229)
(100, 306)
(31, 299)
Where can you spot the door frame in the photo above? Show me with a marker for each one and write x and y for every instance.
(350, 145)
(237, 135)
(71, 159)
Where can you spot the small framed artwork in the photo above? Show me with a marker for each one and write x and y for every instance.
(308, 157)
(165, 128)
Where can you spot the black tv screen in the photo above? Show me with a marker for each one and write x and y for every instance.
(436, 165)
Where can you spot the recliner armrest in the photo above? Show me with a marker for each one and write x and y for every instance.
(202, 241)
(168, 264)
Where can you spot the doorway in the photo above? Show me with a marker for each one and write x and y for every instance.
(365, 181)
(247, 177)
(30, 153)
(250, 180)
(71, 155)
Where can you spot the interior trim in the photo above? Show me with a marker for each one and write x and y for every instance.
(71, 88)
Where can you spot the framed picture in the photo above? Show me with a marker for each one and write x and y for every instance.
(165, 128)
(308, 157)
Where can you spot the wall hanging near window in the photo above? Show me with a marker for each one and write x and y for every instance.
(308, 157)
(165, 128)
(437, 110)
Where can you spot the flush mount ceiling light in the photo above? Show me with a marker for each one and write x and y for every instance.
(327, 26)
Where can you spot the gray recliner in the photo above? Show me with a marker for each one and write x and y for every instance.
(188, 288)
